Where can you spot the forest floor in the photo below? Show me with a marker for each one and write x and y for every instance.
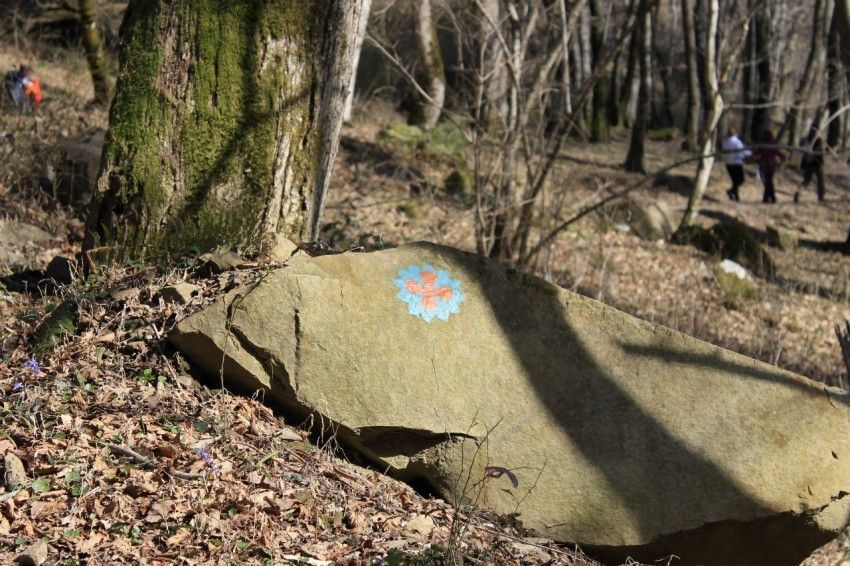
(126, 457)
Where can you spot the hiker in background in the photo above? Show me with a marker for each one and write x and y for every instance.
(768, 157)
(23, 87)
(734, 155)
(811, 163)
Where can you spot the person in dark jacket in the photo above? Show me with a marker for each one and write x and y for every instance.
(812, 163)
(768, 157)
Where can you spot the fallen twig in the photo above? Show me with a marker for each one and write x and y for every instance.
(125, 450)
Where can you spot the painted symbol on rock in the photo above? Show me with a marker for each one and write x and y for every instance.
(428, 292)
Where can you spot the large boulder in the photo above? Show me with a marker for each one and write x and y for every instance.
(653, 221)
(624, 436)
(73, 171)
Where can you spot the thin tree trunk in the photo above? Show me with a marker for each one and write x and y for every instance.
(358, 47)
(599, 132)
(506, 194)
(431, 74)
(749, 84)
(700, 20)
(842, 9)
(761, 113)
(804, 90)
(494, 67)
(577, 69)
(565, 68)
(94, 51)
(693, 110)
(715, 109)
(613, 106)
(665, 71)
(586, 57)
(631, 84)
(833, 79)
(634, 158)
(224, 124)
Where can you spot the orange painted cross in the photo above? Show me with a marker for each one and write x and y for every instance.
(428, 290)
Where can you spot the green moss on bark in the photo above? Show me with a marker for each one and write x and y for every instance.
(206, 92)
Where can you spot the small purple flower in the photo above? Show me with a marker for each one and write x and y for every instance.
(205, 456)
(19, 385)
(32, 363)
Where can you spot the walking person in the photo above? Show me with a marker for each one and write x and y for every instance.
(812, 163)
(769, 157)
(734, 155)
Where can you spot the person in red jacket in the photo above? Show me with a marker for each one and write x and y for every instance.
(23, 87)
(768, 157)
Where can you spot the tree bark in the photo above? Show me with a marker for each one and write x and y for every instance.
(700, 21)
(634, 158)
(431, 73)
(813, 64)
(715, 110)
(693, 110)
(224, 124)
(761, 113)
(585, 37)
(93, 47)
(358, 47)
(834, 79)
(494, 68)
(842, 11)
(599, 132)
(749, 84)
(613, 107)
(631, 84)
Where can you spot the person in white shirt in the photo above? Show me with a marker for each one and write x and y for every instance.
(734, 155)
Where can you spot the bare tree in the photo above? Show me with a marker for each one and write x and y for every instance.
(631, 84)
(842, 20)
(599, 112)
(693, 110)
(634, 158)
(834, 78)
(715, 77)
(358, 46)
(430, 70)
(804, 90)
(762, 26)
(94, 50)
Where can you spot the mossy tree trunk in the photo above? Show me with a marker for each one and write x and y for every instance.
(94, 50)
(224, 124)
